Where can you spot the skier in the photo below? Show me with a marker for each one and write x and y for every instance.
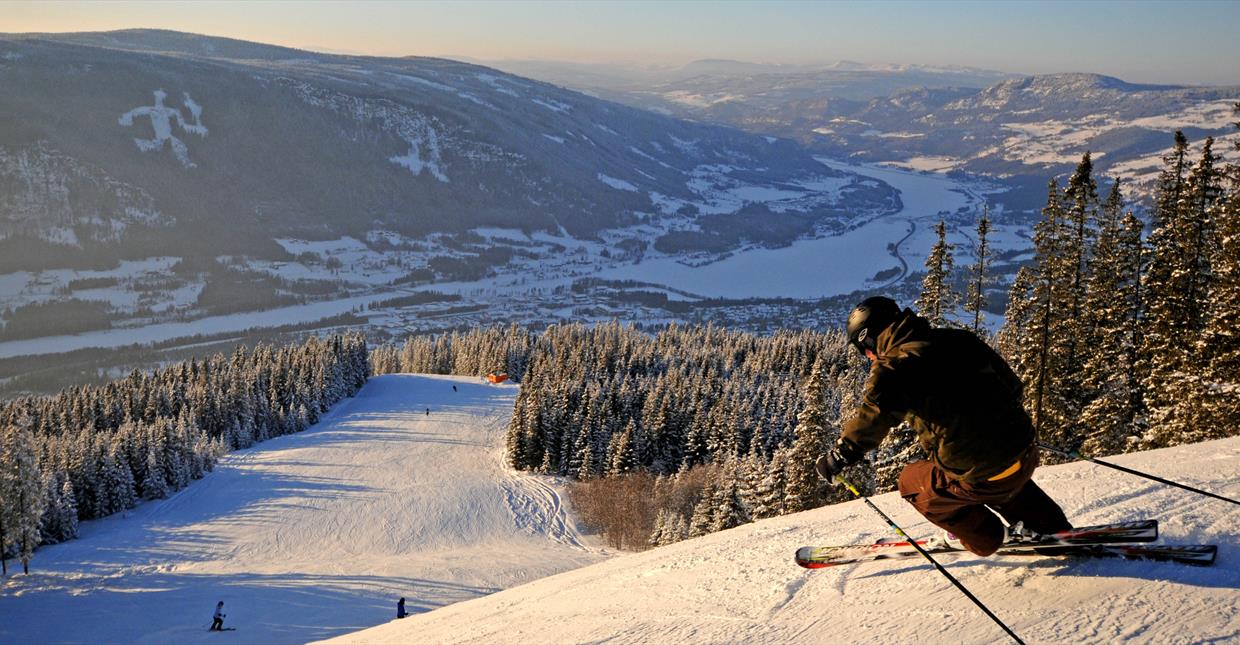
(400, 608)
(965, 404)
(217, 622)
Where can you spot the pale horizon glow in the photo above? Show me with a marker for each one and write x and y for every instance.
(1135, 41)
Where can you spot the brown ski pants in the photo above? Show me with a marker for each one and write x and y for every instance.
(960, 507)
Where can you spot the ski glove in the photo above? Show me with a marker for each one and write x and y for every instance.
(830, 464)
(835, 461)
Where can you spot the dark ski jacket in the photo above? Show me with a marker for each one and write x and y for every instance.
(960, 397)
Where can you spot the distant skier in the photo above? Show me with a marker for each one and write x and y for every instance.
(428, 412)
(453, 388)
(965, 404)
(400, 609)
(217, 622)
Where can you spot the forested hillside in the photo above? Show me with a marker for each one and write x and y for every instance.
(93, 451)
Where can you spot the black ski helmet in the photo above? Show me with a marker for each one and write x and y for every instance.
(870, 318)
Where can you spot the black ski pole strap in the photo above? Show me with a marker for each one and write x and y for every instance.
(925, 554)
(1076, 455)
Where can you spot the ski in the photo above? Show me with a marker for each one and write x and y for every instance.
(1194, 554)
(1054, 544)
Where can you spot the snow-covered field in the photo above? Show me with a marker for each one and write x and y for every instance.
(740, 586)
(312, 535)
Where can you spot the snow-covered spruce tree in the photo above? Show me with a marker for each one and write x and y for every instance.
(1041, 361)
(1218, 346)
(1166, 312)
(975, 300)
(22, 496)
(703, 516)
(116, 481)
(1014, 340)
(60, 520)
(937, 302)
(804, 490)
(1080, 203)
(772, 489)
(1112, 308)
(728, 508)
(1178, 309)
(622, 451)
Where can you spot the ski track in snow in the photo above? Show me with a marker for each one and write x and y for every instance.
(314, 534)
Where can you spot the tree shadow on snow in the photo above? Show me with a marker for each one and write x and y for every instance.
(176, 607)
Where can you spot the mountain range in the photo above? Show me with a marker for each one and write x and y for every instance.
(142, 141)
(1018, 129)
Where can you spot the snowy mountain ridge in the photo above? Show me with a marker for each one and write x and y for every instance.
(935, 119)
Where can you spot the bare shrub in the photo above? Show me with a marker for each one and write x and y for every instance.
(620, 508)
(623, 508)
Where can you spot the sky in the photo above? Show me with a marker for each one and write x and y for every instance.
(1161, 42)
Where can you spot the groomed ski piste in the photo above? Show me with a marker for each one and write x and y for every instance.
(316, 535)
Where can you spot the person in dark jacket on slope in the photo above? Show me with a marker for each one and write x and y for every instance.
(400, 608)
(217, 621)
(964, 402)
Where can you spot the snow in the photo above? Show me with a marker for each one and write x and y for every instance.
(618, 184)
(740, 585)
(161, 117)
(24, 287)
(927, 163)
(496, 84)
(313, 535)
(413, 159)
(553, 105)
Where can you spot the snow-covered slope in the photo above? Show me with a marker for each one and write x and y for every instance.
(312, 535)
(315, 535)
(740, 586)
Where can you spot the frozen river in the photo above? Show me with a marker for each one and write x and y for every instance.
(831, 265)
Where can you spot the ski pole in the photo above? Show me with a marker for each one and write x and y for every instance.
(1076, 455)
(925, 554)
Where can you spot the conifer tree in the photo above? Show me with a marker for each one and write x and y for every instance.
(937, 302)
(771, 491)
(22, 496)
(1111, 312)
(622, 452)
(60, 520)
(1219, 343)
(975, 302)
(803, 485)
(1166, 314)
(1042, 361)
(1184, 247)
